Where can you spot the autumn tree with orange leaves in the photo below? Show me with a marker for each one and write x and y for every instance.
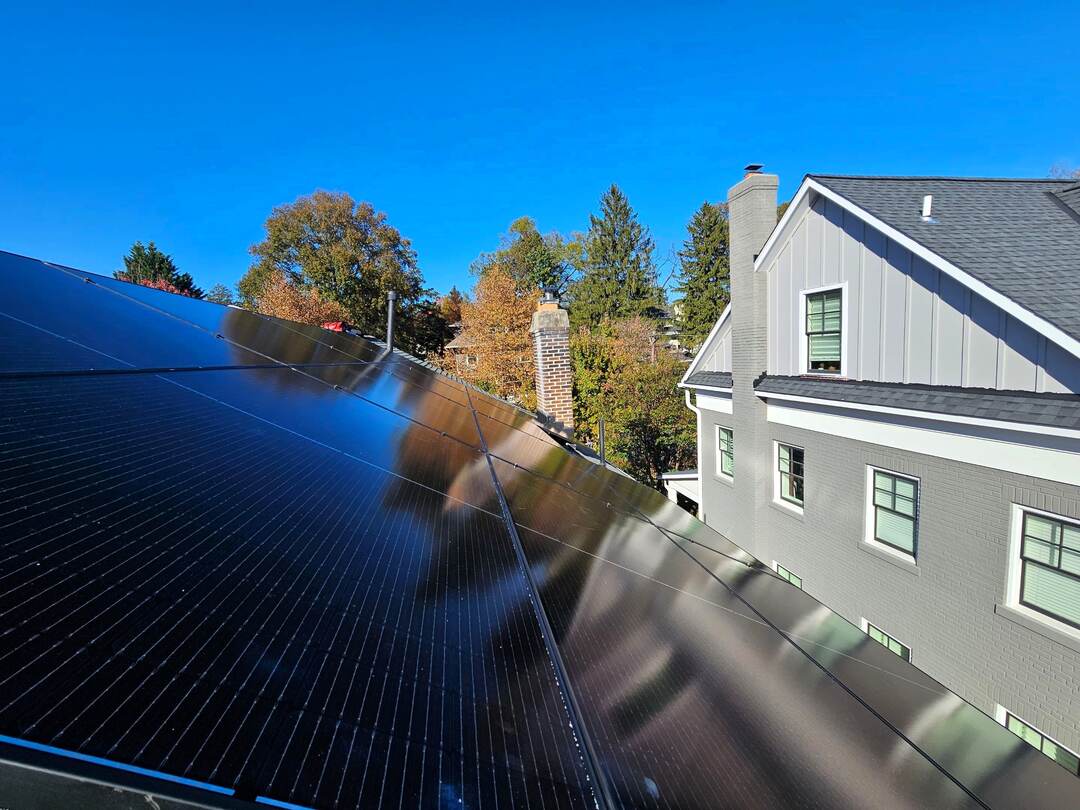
(495, 324)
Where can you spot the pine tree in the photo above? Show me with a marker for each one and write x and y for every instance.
(704, 273)
(618, 277)
(147, 265)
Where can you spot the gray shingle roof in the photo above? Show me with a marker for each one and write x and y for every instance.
(1049, 410)
(713, 379)
(1020, 237)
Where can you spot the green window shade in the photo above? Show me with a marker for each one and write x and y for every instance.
(824, 316)
(1036, 739)
(790, 577)
(1050, 575)
(726, 449)
(896, 511)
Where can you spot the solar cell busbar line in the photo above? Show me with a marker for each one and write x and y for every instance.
(250, 562)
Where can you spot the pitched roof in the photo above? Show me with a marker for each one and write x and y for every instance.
(1019, 237)
(711, 379)
(257, 561)
(1048, 410)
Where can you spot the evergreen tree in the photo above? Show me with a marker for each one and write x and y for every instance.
(220, 294)
(147, 265)
(704, 273)
(618, 278)
(533, 260)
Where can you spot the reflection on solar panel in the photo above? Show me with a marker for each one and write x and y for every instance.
(251, 561)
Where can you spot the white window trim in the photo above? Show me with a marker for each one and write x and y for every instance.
(1000, 714)
(865, 623)
(868, 525)
(804, 361)
(716, 444)
(1012, 585)
(795, 509)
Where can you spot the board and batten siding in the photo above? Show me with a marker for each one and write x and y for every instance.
(717, 355)
(907, 321)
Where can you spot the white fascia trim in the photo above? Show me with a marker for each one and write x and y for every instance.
(715, 404)
(701, 352)
(1022, 427)
(1046, 463)
(688, 386)
(1005, 303)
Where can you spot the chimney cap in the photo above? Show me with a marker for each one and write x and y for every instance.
(551, 294)
(754, 168)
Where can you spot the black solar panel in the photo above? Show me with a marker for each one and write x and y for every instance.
(261, 562)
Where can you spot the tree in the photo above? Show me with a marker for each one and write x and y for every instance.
(165, 286)
(148, 263)
(347, 254)
(618, 375)
(704, 273)
(450, 306)
(618, 278)
(533, 260)
(280, 298)
(497, 322)
(1062, 171)
(220, 294)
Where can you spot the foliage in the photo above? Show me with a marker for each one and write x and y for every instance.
(533, 260)
(148, 263)
(781, 209)
(450, 306)
(347, 254)
(704, 273)
(220, 294)
(621, 376)
(497, 323)
(281, 298)
(165, 286)
(1063, 171)
(618, 276)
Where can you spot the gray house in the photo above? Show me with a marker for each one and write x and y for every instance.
(888, 413)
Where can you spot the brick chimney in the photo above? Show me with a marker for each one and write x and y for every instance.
(752, 211)
(551, 340)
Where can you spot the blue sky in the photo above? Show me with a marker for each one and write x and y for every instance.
(186, 126)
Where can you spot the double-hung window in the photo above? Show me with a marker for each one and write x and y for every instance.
(789, 462)
(896, 511)
(885, 640)
(1050, 567)
(725, 451)
(824, 321)
(1035, 738)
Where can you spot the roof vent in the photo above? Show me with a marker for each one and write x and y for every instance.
(927, 207)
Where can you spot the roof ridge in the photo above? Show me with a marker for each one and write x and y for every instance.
(954, 178)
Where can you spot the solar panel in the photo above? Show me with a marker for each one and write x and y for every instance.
(321, 576)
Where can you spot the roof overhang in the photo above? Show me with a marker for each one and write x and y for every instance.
(800, 202)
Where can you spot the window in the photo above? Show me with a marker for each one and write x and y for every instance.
(725, 451)
(785, 574)
(823, 331)
(1050, 567)
(1035, 738)
(790, 468)
(895, 501)
(885, 640)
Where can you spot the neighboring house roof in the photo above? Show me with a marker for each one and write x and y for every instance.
(219, 526)
(1021, 238)
(462, 341)
(1058, 411)
(710, 379)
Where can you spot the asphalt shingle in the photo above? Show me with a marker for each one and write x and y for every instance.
(1019, 237)
(712, 379)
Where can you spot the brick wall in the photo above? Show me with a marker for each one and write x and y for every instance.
(554, 375)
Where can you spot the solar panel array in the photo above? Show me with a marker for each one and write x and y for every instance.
(273, 563)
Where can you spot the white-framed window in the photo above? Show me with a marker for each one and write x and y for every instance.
(1063, 756)
(786, 574)
(890, 642)
(892, 512)
(725, 452)
(823, 318)
(1044, 568)
(788, 476)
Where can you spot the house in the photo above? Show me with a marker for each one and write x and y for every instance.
(888, 414)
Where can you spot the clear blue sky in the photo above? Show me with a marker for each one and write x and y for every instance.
(124, 122)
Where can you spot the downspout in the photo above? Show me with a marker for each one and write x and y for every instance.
(700, 483)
